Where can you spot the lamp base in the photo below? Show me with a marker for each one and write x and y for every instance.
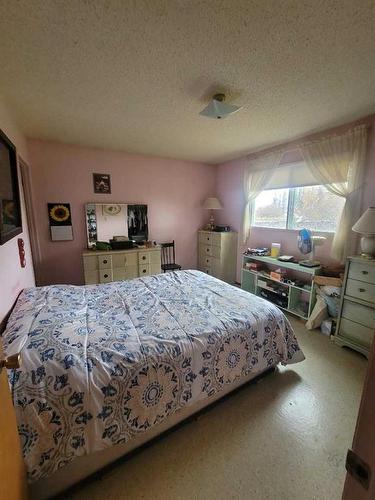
(368, 247)
(211, 224)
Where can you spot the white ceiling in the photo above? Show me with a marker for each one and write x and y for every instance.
(133, 75)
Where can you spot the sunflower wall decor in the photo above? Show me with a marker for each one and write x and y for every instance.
(60, 221)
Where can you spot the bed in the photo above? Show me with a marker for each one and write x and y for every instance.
(107, 367)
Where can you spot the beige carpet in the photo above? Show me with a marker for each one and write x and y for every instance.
(284, 438)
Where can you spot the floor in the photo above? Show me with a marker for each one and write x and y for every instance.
(284, 438)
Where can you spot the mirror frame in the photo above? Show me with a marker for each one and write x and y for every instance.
(11, 233)
(90, 246)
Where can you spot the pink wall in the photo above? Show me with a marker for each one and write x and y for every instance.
(12, 277)
(230, 192)
(173, 190)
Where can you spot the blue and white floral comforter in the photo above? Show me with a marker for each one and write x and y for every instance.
(103, 363)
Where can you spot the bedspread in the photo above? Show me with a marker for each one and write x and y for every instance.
(101, 363)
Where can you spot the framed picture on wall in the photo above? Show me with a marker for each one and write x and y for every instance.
(102, 183)
(60, 221)
(10, 208)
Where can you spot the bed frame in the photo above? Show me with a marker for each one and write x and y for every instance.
(89, 467)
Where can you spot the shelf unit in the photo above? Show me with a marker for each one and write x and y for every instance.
(297, 300)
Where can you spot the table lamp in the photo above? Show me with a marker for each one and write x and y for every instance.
(212, 204)
(365, 225)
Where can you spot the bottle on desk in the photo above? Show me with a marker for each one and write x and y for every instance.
(275, 250)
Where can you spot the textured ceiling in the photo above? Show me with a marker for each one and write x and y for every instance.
(133, 75)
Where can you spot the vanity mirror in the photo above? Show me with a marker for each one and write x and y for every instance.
(116, 223)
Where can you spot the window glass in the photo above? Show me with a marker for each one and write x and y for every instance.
(270, 208)
(310, 207)
(315, 208)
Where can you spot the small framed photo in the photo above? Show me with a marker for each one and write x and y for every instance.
(102, 183)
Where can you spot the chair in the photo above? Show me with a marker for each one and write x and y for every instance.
(168, 257)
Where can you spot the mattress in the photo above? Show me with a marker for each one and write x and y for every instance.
(102, 364)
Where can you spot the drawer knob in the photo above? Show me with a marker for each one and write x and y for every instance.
(144, 270)
(361, 289)
(144, 257)
(105, 261)
(364, 272)
(106, 275)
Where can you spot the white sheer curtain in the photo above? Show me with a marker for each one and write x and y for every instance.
(256, 177)
(338, 163)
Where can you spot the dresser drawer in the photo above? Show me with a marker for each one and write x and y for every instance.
(91, 277)
(143, 257)
(362, 271)
(155, 267)
(206, 270)
(105, 261)
(209, 250)
(155, 257)
(359, 314)
(126, 273)
(216, 239)
(105, 275)
(90, 263)
(205, 238)
(360, 290)
(210, 238)
(124, 260)
(356, 332)
(144, 270)
(204, 260)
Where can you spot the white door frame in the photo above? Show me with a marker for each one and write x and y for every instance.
(28, 199)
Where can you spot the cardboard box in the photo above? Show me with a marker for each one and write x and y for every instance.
(277, 275)
(327, 280)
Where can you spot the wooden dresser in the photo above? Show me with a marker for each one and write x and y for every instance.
(356, 324)
(217, 254)
(107, 266)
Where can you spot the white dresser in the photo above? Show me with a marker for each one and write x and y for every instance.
(107, 266)
(356, 325)
(217, 254)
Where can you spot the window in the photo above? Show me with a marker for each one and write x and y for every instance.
(312, 207)
(271, 208)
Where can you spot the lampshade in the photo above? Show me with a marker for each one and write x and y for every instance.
(212, 204)
(366, 223)
(219, 110)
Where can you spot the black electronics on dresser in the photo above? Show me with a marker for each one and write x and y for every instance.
(221, 228)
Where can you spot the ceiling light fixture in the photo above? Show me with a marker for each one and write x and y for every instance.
(218, 109)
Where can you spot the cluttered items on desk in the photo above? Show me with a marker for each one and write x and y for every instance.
(279, 284)
(267, 252)
(259, 252)
(278, 274)
(306, 243)
(286, 258)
